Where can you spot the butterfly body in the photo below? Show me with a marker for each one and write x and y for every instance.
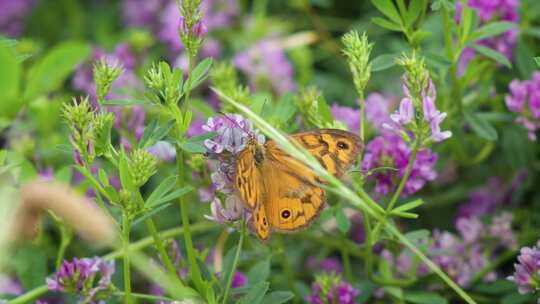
(284, 194)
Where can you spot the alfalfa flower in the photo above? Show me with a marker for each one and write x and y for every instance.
(524, 99)
(90, 278)
(331, 288)
(105, 73)
(417, 117)
(527, 270)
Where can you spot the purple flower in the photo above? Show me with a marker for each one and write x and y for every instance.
(232, 133)
(405, 114)
(12, 16)
(389, 151)
(377, 109)
(329, 264)
(357, 232)
(239, 280)
(484, 200)
(163, 150)
(86, 277)
(199, 29)
(332, 289)
(516, 101)
(348, 115)
(266, 66)
(46, 174)
(431, 116)
(8, 285)
(527, 270)
(501, 230)
(231, 211)
(470, 228)
(142, 13)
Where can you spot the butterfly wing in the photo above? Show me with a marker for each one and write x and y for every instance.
(336, 150)
(294, 198)
(248, 180)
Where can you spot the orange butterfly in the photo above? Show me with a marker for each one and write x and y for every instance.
(283, 193)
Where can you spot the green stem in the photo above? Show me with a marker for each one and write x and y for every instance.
(362, 116)
(235, 261)
(399, 189)
(158, 242)
(347, 264)
(405, 178)
(65, 239)
(126, 227)
(194, 270)
(30, 295)
(143, 296)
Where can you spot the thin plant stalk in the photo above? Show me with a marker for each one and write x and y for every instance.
(194, 270)
(126, 227)
(235, 261)
(158, 242)
(65, 239)
(400, 187)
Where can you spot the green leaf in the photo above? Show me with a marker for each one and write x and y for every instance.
(103, 178)
(491, 29)
(324, 111)
(125, 174)
(383, 62)
(386, 24)
(200, 72)
(255, 294)
(49, 73)
(408, 215)
(410, 205)
(496, 288)
(31, 266)
(537, 61)
(171, 196)
(278, 297)
(413, 11)
(524, 59)
(492, 54)
(64, 174)
(342, 221)
(163, 188)
(419, 234)
(124, 102)
(481, 127)
(424, 297)
(387, 8)
(517, 298)
(146, 215)
(259, 272)
(10, 78)
(155, 132)
(227, 265)
(195, 144)
(10, 74)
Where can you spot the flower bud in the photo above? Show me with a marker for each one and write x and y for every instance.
(142, 165)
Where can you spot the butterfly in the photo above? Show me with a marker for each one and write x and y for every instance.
(283, 193)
